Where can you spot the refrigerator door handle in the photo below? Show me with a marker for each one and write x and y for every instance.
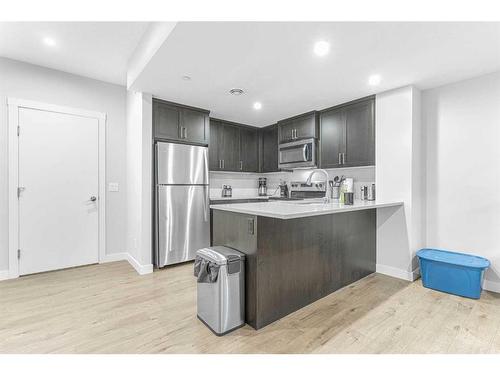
(207, 204)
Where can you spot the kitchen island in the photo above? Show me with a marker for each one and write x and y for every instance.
(297, 252)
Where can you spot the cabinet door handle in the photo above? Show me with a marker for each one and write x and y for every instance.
(340, 158)
(296, 134)
(241, 165)
(220, 164)
(251, 226)
(185, 133)
(343, 158)
(223, 164)
(292, 134)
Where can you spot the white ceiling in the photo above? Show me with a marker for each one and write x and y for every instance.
(98, 50)
(274, 63)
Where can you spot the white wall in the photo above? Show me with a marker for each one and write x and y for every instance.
(399, 177)
(31, 82)
(462, 132)
(139, 164)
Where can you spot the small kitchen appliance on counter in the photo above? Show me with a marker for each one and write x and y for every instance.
(283, 189)
(227, 191)
(262, 186)
(371, 192)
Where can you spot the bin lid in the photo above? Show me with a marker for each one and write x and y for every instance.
(459, 259)
(220, 254)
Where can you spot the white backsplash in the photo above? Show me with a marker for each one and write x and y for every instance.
(246, 184)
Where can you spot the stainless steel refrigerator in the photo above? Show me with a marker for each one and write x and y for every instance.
(182, 202)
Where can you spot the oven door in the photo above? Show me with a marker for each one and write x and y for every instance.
(299, 154)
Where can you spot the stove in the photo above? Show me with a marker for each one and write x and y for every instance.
(300, 190)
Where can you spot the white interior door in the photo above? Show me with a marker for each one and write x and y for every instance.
(58, 172)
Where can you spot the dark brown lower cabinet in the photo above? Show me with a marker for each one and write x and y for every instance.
(292, 263)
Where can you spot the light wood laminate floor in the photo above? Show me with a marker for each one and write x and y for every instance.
(108, 308)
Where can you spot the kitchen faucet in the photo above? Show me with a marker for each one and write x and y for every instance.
(328, 192)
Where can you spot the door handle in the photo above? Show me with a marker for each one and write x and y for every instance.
(207, 204)
(20, 189)
(93, 198)
(304, 152)
(251, 226)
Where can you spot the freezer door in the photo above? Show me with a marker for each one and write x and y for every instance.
(183, 223)
(181, 164)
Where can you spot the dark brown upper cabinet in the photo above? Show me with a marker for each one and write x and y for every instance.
(166, 120)
(347, 135)
(298, 127)
(214, 163)
(180, 123)
(249, 149)
(233, 147)
(360, 134)
(229, 147)
(269, 149)
(332, 138)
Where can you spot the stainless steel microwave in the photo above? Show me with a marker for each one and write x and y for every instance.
(298, 154)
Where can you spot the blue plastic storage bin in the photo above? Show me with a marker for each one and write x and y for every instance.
(452, 272)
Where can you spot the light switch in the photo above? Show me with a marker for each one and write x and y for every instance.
(113, 186)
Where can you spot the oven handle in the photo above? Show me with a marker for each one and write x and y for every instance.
(304, 152)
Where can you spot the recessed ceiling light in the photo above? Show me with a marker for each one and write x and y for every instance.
(49, 41)
(236, 92)
(257, 105)
(321, 48)
(186, 78)
(374, 80)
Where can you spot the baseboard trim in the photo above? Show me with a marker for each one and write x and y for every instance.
(115, 257)
(4, 275)
(397, 272)
(142, 269)
(491, 286)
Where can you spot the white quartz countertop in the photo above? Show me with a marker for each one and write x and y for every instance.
(301, 208)
(233, 198)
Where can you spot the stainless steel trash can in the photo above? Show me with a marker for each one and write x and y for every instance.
(221, 301)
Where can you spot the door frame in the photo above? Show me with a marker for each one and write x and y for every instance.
(14, 105)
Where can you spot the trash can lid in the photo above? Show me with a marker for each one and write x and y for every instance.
(451, 257)
(220, 254)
